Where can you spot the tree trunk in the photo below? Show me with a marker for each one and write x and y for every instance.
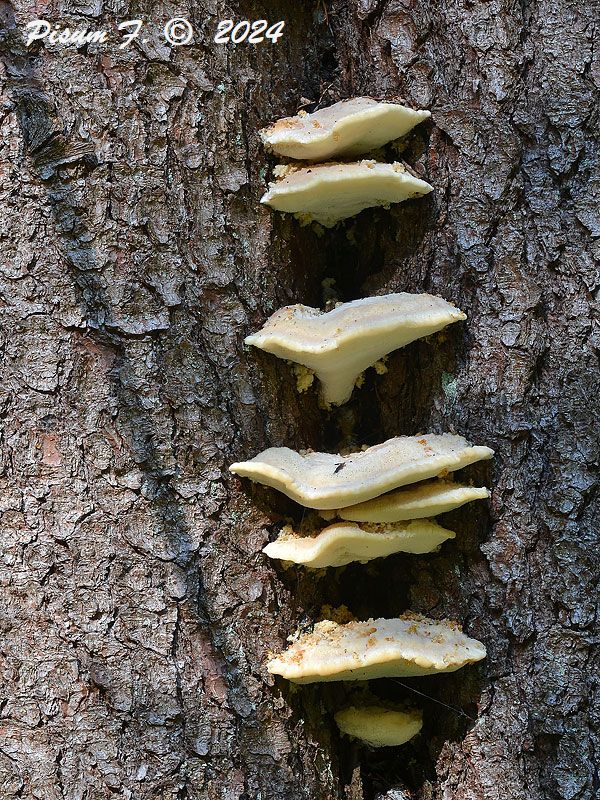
(137, 607)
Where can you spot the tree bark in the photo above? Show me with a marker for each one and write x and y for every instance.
(137, 608)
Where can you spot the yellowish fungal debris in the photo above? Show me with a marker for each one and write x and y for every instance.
(304, 377)
(378, 648)
(414, 502)
(328, 193)
(378, 725)
(338, 345)
(329, 481)
(348, 128)
(344, 542)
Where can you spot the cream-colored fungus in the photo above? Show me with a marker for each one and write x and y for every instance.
(338, 345)
(378, 725)
(344, 542)
(378, 648)
(348, 128)
(328, 193)
(329, 481)
(413, 502)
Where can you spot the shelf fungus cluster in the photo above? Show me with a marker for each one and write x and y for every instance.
(379, 500)
(373, 521)
(327, 481)
(328, 191)
(338, 345)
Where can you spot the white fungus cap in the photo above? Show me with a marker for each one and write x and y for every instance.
(348, 128)
(378, 648)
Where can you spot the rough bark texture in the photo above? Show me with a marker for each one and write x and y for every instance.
(137, 609)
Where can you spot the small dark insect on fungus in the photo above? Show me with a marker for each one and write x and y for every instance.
(312, 480)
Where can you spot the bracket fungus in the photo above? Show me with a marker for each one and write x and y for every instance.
(328, 193)
(340, 344)
(378, 725)
(378, 648)
(348, 128)
(414, 502)
(329, 481)
(343, 542)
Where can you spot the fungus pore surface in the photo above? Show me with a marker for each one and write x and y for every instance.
(328, 193)
(414, 502)
(378, 725)
(344, 542)
(339, 344)
(328, 481)
(348, 128)
(378, 648)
